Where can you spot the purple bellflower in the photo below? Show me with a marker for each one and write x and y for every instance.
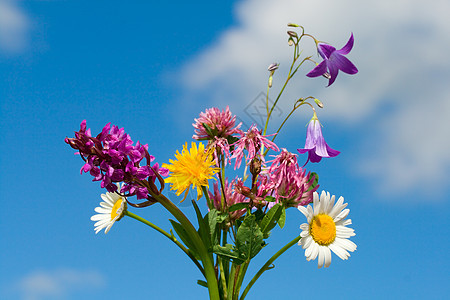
(333, 61)
(315, 143)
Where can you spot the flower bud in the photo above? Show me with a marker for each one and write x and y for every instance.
(292, 33)
(290, 41)
(318, 102)
(273, 67)
(293, 25)
(255, 166)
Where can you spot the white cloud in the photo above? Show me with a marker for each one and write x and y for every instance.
(401, 49)
(57, 284)
(14, 26)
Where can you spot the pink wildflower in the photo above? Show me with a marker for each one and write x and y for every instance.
(291, 183)
(221, 123)
(252, 140)
(231, 198)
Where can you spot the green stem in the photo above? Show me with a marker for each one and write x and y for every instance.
(208, 264)
(205, 192)
(240, 279)
(222, 278)
(267, 264)
(231, 280)
(169, 236)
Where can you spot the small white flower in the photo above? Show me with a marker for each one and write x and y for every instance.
(326, 229)
(110, 211)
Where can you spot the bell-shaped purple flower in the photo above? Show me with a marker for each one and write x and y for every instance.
(315, 143)
(333, 61)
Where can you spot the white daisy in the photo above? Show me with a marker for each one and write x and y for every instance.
(110, 211)
(326, 229)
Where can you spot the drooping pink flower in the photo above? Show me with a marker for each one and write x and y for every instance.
(221, 123)
(252, 141)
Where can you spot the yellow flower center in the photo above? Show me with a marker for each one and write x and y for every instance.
(323, 229)
(116, 208)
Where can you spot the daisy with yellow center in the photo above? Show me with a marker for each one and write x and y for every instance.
(111, 210)
(326, 229)
(191, 167)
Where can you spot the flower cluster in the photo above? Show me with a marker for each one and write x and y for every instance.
(111, 157)
(241, 213)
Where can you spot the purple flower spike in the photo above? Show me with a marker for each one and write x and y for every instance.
(315, 143)
(333, 61)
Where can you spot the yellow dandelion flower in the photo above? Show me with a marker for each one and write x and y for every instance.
(191, 167)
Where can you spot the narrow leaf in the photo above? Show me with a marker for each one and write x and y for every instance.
(282, 218)
(270, 219)
(184, 237)
(238, 206)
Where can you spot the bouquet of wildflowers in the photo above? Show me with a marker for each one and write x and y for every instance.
(241, 211)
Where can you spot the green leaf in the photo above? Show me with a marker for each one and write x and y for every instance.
(229, 253)
(221, 217)
(270, 219)
(202, 283)
(212, 222)
(211, 132)
(185, 238)
(316, 180)
(238, 206)
(270, 199)
(249, 238)
(203, 227)
(282, 219)
(259, 215)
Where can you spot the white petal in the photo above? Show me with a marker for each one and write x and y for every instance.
(102, 210)
(101, 223)
(321, 259)
(310, 214)
(338, 207)
(105, 205)
(99, 217)
(342, 215)
(344, 222)
(109, 227)
(344, 232)
(303, 210)
(327, 256)
(304, 226)
(314, 250)
(340, 252)
(308, 252)
(346, 244)
(107, 199)
(306, 242)
(316, 203)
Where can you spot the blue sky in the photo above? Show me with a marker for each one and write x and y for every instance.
(151, 68)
